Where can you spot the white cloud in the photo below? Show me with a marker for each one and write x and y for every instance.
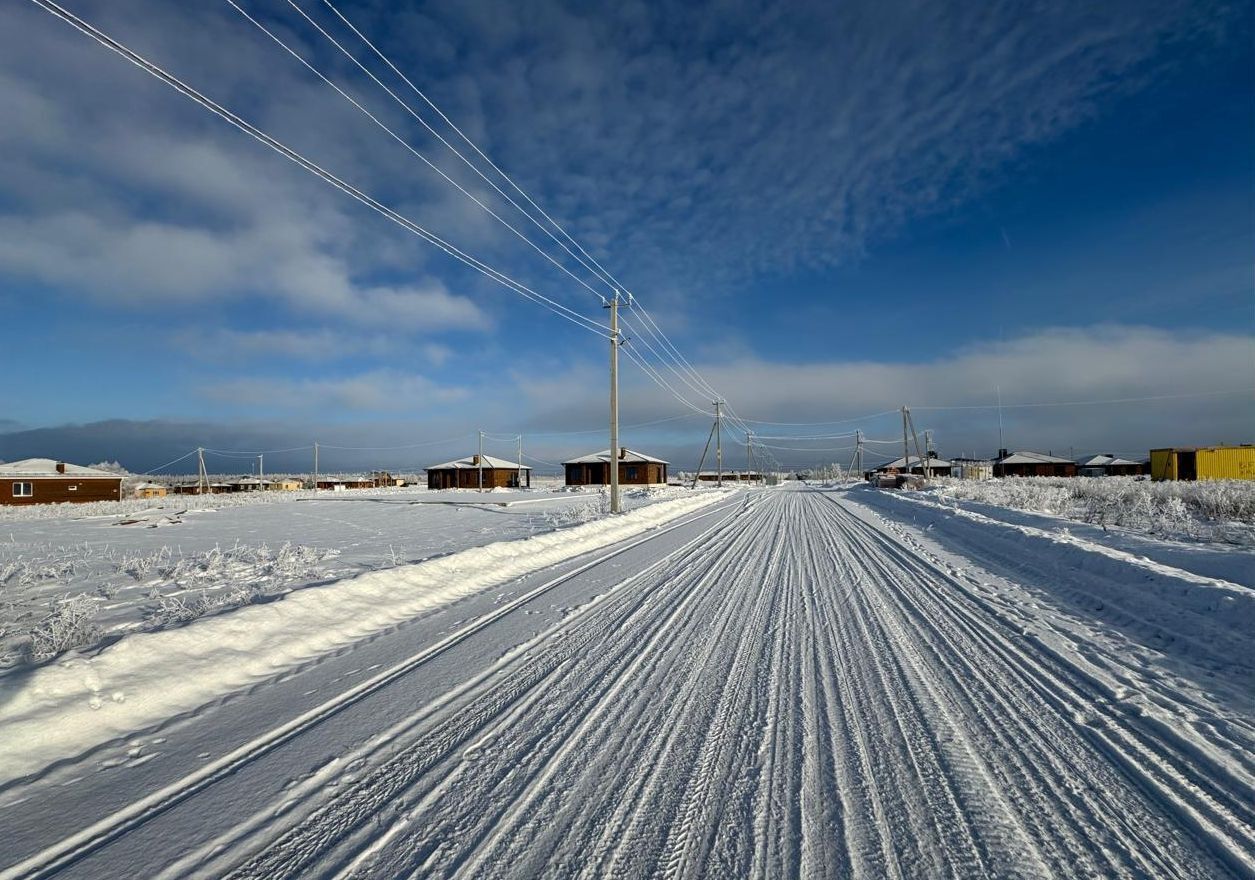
(379, 391)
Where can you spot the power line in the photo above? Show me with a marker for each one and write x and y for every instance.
(348, 189)
(702, 387)
(373, 118)
(614, 282)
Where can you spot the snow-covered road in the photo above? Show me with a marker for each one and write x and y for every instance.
(780, 684)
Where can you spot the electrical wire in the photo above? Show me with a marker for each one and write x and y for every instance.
(373, 118)
(189, 92)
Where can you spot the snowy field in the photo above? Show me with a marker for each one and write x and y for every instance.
(784, 682)
(77, 575)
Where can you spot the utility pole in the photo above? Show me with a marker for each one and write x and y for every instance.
(749, 463)
(261, 469)
(1001, 445)
(924, 469)
(315, 465)
(906, 449)
(719, 442)
(479, 461)
(202, 478)
(616, 505)
(520, 477)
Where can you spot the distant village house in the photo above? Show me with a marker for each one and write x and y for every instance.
(477, 471)
(48, 481)
(1032, 464)
(635, 469)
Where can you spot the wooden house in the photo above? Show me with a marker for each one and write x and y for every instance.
(286, 484)
(150, 490)
(475, 472)
(48, 481)
(1032, 464)
(635, 469)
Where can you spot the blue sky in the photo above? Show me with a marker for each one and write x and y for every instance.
(832, 210)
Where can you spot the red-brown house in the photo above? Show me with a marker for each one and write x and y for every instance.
(475, 472)
(635, 469)
(48, 481)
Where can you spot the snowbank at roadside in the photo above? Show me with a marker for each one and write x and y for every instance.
(62, 710)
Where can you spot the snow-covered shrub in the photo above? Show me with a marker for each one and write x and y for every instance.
(70, 624)
(1209, 510)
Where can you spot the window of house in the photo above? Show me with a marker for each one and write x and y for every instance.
(23, 490)
(631, 473)
(72, 487)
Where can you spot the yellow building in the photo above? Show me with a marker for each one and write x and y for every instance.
(287, 484)
(1203, 463)
(150, 490)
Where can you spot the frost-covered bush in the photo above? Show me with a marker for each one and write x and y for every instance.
(70, 624)
(1210, 510)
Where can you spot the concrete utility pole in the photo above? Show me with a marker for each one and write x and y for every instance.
(202, 478)
(616, 505)
(520, 477)
(906, 449)
(479, 461)
(749, 459)
(315, 465)
(261, 467)
(719, 441)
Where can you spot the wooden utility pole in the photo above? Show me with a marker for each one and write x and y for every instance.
(616, 504)
(479, 461)
(315, 465)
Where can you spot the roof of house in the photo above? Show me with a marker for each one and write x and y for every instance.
(629, 456)
(469, 464)
(1033, 458)
(1105, 461)
(150, 486)
(47, 468)
(914, 462)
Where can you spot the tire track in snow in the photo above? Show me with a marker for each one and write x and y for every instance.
(1216, 810)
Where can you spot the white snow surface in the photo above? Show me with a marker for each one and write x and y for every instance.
(785, 683)
(63, 709)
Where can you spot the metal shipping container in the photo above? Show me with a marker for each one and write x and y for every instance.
(1203, 463)
(1225, 463)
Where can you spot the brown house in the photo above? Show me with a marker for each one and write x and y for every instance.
(47, 481)
(477, 472)
(635, 469)
(1033, 464)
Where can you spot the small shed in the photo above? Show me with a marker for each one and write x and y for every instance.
(937, 467)
(1203, 463)
(149, 490)
(1108, 465)
(635, 469)
(48, 481)
(1032, 464)
(475, 471)
(971, 468)
(286, 484)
